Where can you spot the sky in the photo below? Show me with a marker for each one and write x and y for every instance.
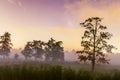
(29, 20)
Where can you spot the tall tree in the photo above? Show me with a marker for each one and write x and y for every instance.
(94, 42)
(27, 51)
(5, 44)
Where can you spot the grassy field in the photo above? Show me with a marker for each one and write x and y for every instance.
(56, 71)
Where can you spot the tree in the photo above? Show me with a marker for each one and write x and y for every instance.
(37, 46)
(48, 49)
(94, 42)
(54, 50)
(5, 44)
(27, 51)
(16, 56)
(58, 51)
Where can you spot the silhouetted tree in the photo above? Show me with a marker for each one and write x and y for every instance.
(37, 46)
(58, 51)
(48, 49)
(5, 44)
(27, 51)
(54, 51)
(94, 42)
(16, 56)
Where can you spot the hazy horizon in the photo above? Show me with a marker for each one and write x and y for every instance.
(71, 56)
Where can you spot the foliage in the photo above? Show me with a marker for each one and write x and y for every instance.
(37, 46)
(52, 50)
(27, 51)
(16, 56)
(94, 42)
(5, 44)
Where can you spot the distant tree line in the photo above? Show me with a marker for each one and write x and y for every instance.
(51, 50)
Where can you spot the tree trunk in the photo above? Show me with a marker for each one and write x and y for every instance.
(93, 56)
(93, 65)
(94, 48)
(93, 59)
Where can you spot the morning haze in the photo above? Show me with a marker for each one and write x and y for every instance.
(60, 39)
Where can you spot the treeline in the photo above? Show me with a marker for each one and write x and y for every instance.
(51, 50)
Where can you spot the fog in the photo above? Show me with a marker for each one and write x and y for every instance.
(114, 58)
(70, 56)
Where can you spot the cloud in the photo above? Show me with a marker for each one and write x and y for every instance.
(16, 2)
(82, 9)
(20, 4)
(11, 1)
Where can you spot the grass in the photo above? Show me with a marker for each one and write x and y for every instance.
(35, 71)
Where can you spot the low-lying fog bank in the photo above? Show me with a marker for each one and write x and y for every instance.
(70, 56)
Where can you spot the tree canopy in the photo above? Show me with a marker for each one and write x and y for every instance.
(5, 44)
(52, 50)
(94, 42)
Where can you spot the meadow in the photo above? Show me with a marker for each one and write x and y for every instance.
(33, 70)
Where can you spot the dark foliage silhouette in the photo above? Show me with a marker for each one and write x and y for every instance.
(38, 49)
(5, 44)
(27, 51)
(94, 42)
(54, 50)
(16, 56)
